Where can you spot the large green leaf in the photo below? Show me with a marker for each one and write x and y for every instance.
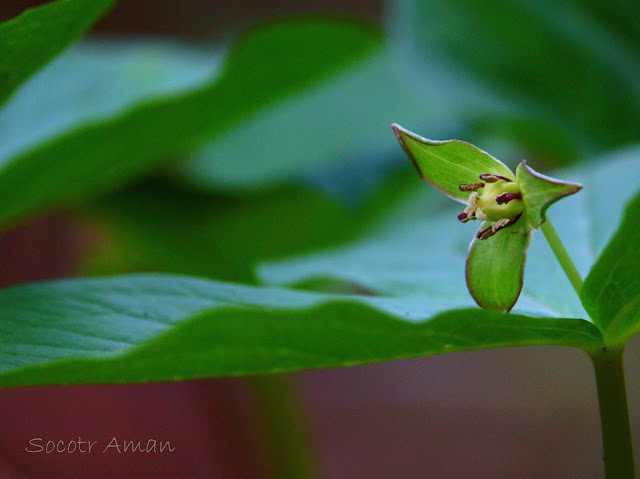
(611, 292)
(270, 63)
(152, 328)
(421, 252)
(30, 40)
(147, 327)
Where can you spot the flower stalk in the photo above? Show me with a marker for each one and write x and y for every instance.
(562, 256)
(610, 381)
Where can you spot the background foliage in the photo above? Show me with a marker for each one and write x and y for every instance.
(280, 145)
(256, 182)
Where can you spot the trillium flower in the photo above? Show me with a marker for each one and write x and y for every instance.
(509, 207)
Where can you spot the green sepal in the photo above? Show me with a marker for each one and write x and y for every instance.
(495, 266)
(540, 191)
(449, 164)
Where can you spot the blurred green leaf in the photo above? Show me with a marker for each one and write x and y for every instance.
(32, 39)
(341, 122)
(573, 63)
(160, 227)
(153, 328)
(611, 292)
(94, 81)
(269, 64)
(416, 78)
(433, 75)
(421, 253)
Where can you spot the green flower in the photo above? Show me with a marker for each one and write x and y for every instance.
(510, 207)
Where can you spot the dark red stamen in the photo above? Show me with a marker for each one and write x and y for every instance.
(485, 233)
(506, 197)
(489, 232)
(489, 178)
(463, 217)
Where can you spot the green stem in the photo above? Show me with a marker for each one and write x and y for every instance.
(612, 393)
(283, 431)
(614, 414)
(562, 256)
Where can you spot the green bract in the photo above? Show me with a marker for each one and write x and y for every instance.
(509, 206)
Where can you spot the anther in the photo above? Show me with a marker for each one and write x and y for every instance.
(489, 178)
(497, 226)
(500, 224)
(463, 217)
(506, 197)
(485, 233)
(471, 186)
